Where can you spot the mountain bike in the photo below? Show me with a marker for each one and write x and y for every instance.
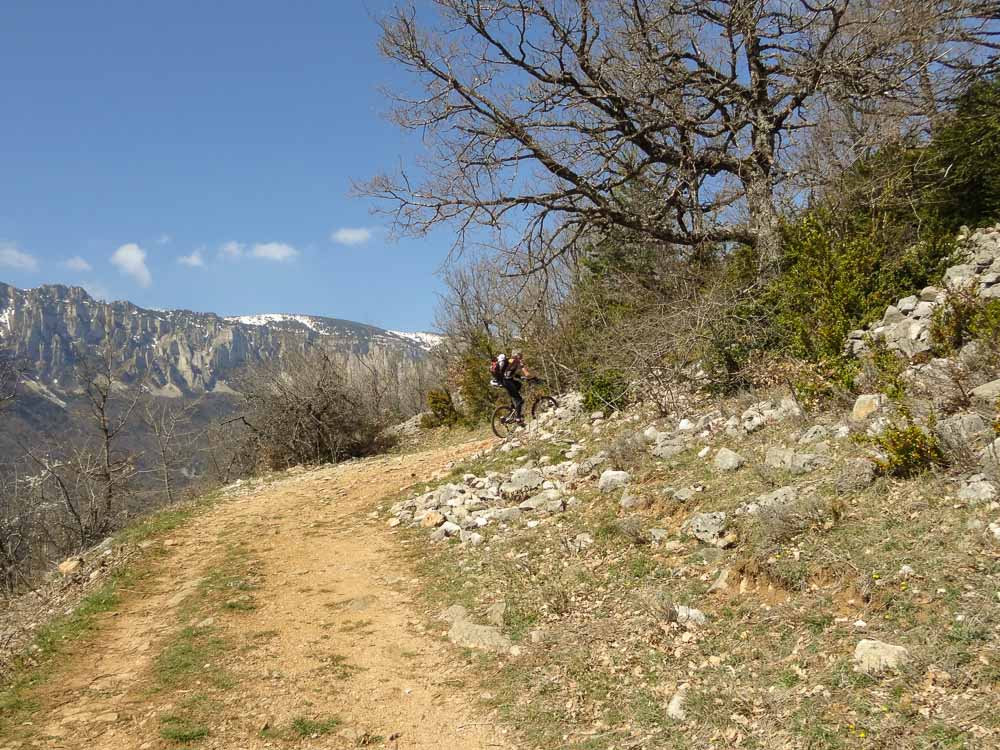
(505, 420)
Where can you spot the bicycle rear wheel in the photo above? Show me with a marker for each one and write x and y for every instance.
(501, 428)
(543, 405)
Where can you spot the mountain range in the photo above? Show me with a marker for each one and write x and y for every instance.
(175, 352)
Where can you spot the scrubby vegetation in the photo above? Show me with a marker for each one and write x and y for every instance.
(624, 308)
(909, 450)
(309, 410)
(441, 410)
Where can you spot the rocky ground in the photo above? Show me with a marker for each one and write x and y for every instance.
(737, 576)
(738, 573)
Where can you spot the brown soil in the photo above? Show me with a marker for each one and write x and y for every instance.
(334, 631)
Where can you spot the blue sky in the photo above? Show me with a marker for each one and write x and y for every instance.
(199, 155)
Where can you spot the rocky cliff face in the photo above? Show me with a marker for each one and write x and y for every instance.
(178, 352)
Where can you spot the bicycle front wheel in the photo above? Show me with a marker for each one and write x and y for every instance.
(501, 428)
(543, 405)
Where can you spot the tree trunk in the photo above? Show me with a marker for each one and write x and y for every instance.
(764, 225)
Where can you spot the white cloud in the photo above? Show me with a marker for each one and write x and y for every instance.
(351, 235)
(76, 263)
(11, 257)
(278, 251)
(131, 261)
(231, 250)
(194, 260)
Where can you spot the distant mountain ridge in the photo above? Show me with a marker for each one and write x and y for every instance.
(176, 352)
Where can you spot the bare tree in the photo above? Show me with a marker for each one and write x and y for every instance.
(678, 120)
(168, 422)
(305, 409)
(111, 405)
(90, 480)
(22, 535)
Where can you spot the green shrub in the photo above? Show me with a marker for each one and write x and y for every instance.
(442, 410)
(470, 374)
(910, 450)
(888, 370)
(950, 321)
(965, 317)
(985, 323)
(839, 273)
(883, 231)
(604, 390)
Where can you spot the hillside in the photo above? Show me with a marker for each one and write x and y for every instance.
(736, 572)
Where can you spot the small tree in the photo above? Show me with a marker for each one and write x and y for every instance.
(91, 479)
(305, 410)
(111, 405)
(169, 423)
(18, 516)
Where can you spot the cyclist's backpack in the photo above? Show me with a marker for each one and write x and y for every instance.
(498, 367)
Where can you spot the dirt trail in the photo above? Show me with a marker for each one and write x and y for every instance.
(333, 631)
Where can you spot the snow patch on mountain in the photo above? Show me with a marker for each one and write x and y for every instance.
(422, 339)
(267, 318)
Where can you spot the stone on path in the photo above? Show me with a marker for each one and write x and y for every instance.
(432, 519)
(484, 637)
(632, 501)
(792, 462)
(977, 489)
(709, 528)
(867, 405)
(872, 657)
(855, 474)
(522, 483)
(721, 583)
(988, 393)
(668, 446)
(690, 616)
(69, 566)
(728, 460)
(675, 708)
(814, 434)
(612, 480)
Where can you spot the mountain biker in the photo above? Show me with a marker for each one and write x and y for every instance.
(511, 375)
